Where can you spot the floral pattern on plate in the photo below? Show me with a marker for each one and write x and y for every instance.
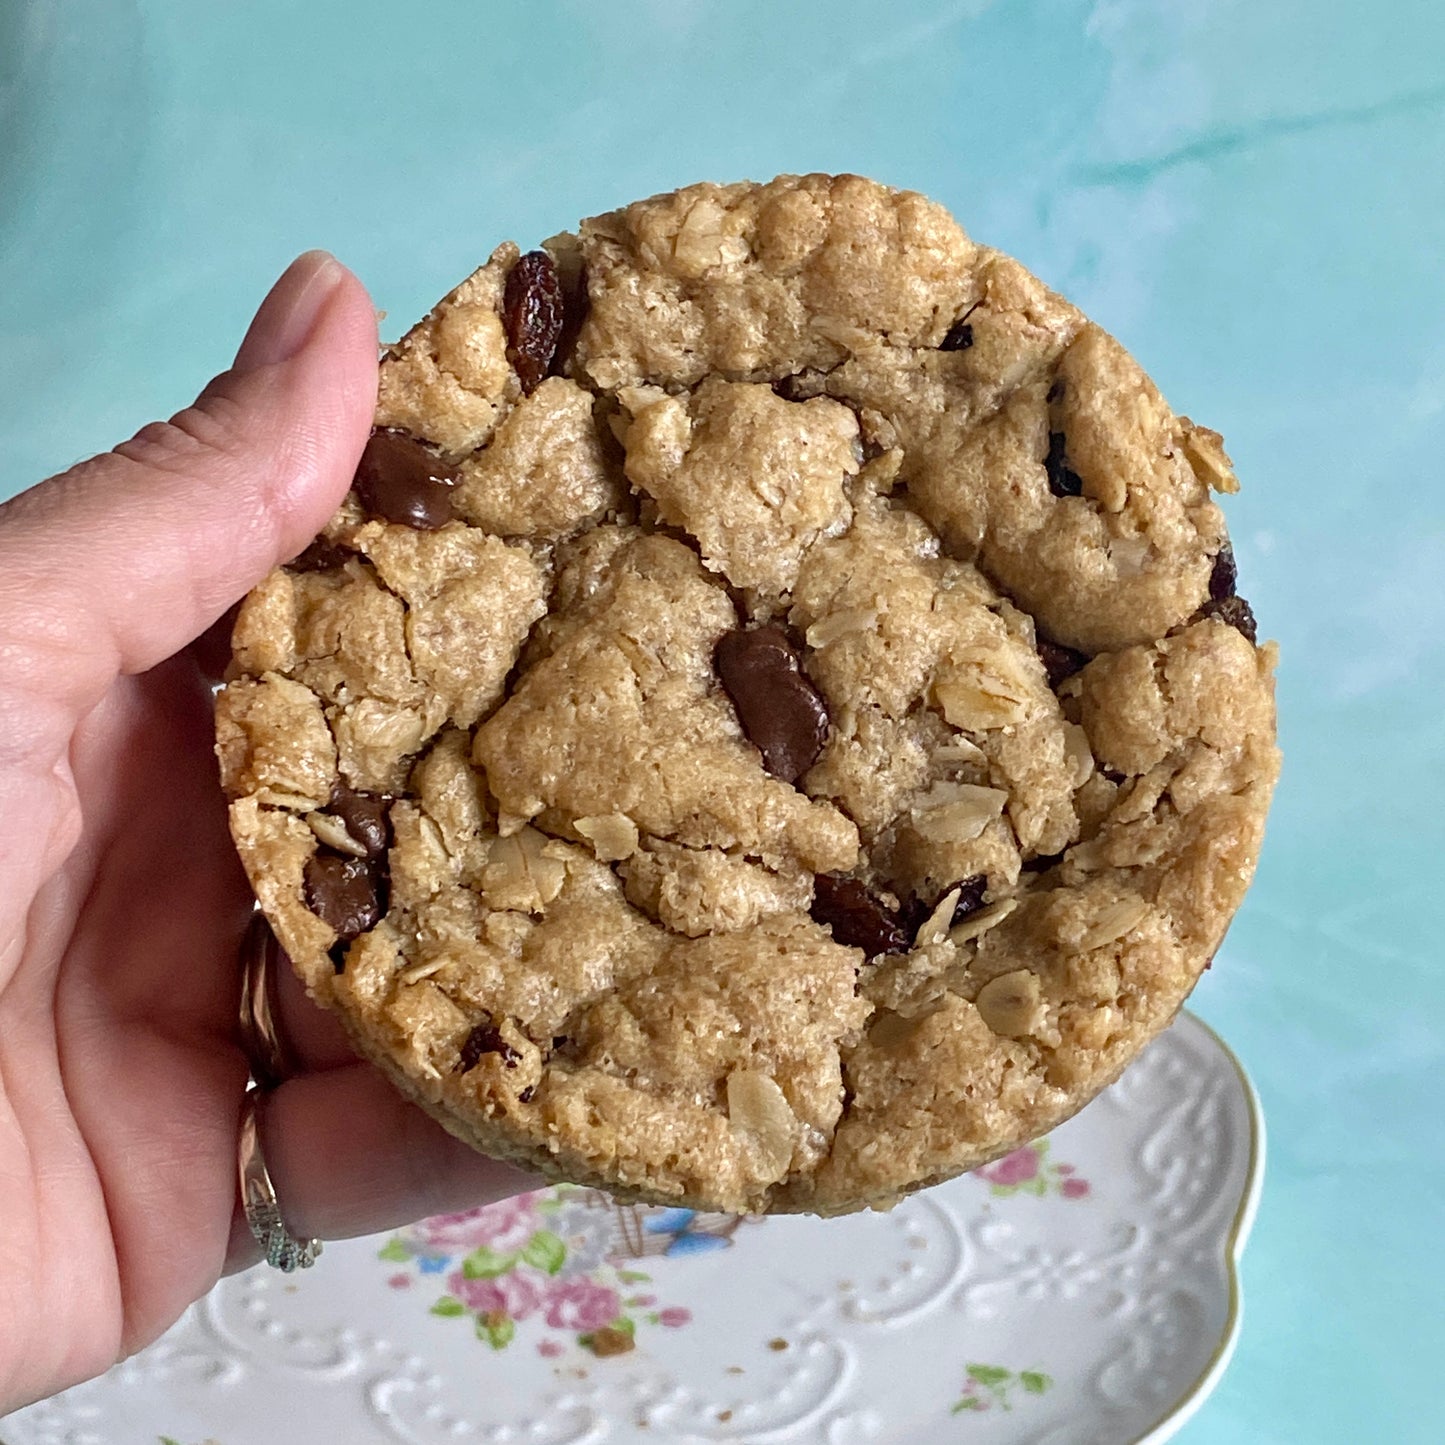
(561, 1259)
(1081, 1291)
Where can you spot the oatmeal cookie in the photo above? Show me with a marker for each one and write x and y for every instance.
(772, 725)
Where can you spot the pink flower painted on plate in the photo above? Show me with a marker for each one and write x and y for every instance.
(1030, 1171)
(581, 1303)
(399, 1281)
(1016, 1168)
(514, 1294)
(504, 1226)
(549, 1348)
(674, 1317)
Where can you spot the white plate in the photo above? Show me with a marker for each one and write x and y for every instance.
(1083, 1290)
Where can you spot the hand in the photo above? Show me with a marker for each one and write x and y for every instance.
(121, 900)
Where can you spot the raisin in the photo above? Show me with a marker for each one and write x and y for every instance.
(533, 312)
(486, 1038)
(917, 911)
(858, 918)
(1236, 612)
(970, 896)
(1224, 578)
(323, 555)
(1061, 663)
(1064, 481)
(959, 337)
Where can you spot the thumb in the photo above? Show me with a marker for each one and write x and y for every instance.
(123, 560)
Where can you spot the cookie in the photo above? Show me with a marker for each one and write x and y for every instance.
(773, 725)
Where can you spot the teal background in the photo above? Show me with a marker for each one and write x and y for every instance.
(1250, 193)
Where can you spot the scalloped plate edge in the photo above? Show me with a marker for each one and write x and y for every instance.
(1190, 1402)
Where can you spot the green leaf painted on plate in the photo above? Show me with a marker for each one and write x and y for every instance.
(1034, 1381)
(486, 1263)
(969, 1402)
(448, 1307)
(394, 1249)
(496, 1329)
(633, 1276)
(988, 1374)
(545, 1251)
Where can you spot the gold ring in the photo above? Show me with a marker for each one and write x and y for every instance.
(284, 1251)
(260, 1039)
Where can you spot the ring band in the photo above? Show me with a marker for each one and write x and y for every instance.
(259, 1036)
(284, 1251)
(269, 1064)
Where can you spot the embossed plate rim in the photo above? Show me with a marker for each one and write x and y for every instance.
(1189, 1404)
(1242, 1169)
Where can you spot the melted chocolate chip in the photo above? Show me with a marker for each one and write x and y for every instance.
(323, 555)
(959, 337)
(533, 312)
(400, 479)
(346, 893)
(527, 1094)
(1061, 663)
(1224, 578)
(1236, 612)
(857, 918)
(366, 817)
(1064, 481)
(781, 711)
(486, 1038)
(337, 954)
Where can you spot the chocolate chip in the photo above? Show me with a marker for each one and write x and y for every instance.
(527, 1094)
(781, 711)
(1224, 578)
(365, 815)
(1064, 481)
(1061, 663)
(858, 919)
(337, 954)
(959, 337)
(346, 893)
(533, 312)
(1236, 612)
(486, 1038)
(323, 555)
(400, 479)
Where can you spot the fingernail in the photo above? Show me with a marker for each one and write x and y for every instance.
(289, 313)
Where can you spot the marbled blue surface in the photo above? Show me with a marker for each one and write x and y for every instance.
(1250, 193)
